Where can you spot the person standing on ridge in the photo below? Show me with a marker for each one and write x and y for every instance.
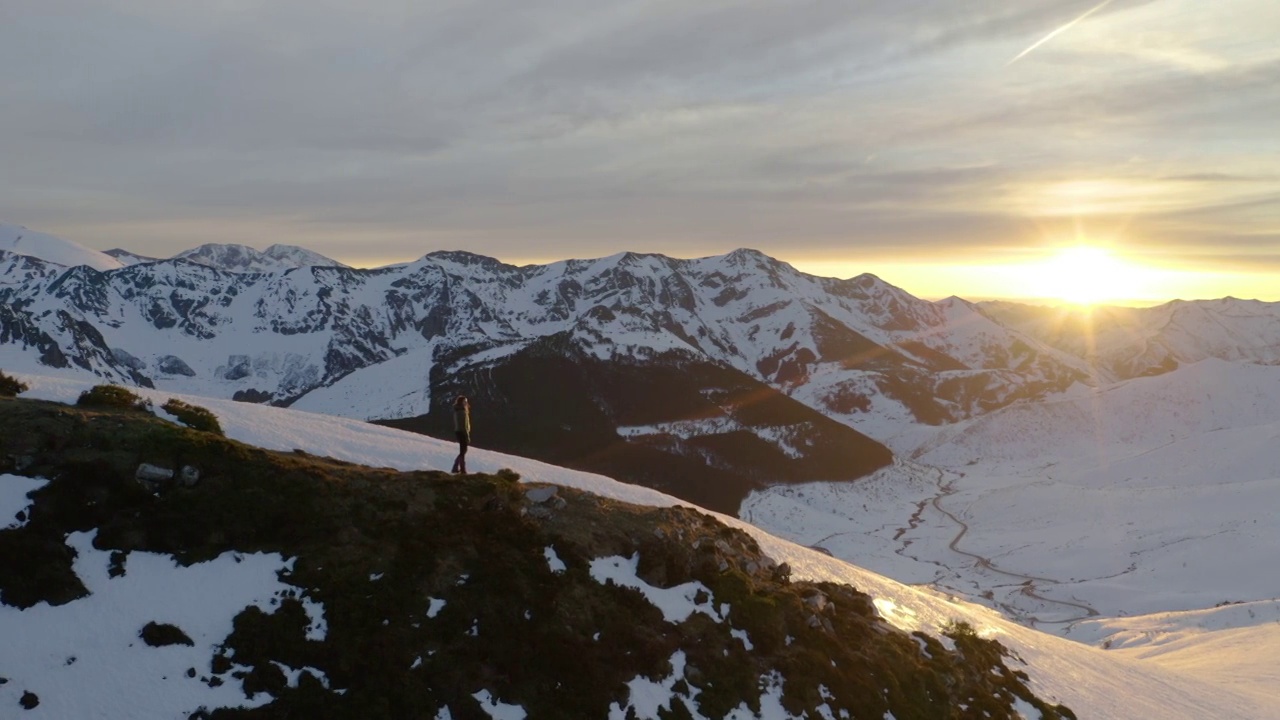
(462, 431)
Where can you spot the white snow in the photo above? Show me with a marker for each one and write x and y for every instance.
(646, 697)
(20, 240)
(14, 490)
(498, 710)
(1149, 496)
(553, 560)
(294, 675)
(1026, 710)
(366, 394)
(435, 607)
(676, 603)
(86, 660)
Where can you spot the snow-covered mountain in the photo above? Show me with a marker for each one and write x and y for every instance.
(127, 258)
(1215, 663)
(642, 366)
(20, 240)
(242, 258)
(857, 349)
(737, 361)
(1121, 343)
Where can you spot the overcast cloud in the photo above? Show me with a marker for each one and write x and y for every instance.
(809, 129)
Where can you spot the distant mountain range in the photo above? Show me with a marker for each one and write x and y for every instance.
(228, 257)
(1120, 343)
(646, 367)
(239, 258)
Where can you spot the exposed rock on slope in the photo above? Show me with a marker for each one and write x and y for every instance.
(464, 593)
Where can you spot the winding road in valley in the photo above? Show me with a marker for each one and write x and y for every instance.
(1029, 583)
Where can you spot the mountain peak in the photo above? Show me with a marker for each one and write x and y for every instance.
(467, 259)
(127, 258)
(23, 241)
(750, 255)
(296, 256)
(234, 257)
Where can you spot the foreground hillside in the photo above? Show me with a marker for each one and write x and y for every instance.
(419, 595)
(1093, 682)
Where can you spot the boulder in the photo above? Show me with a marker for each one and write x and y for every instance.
(173, 365)
(153, 476)
(542, 495)
(238, 367)
(126, 359)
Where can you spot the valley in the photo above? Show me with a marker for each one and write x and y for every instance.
(1155, 504)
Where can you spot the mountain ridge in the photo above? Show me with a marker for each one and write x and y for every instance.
(860, 351)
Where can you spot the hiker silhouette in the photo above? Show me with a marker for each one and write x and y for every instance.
(462, 431)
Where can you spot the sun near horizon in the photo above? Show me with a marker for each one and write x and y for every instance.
(1081, 275)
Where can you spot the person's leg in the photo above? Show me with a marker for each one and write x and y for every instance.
(460, 463)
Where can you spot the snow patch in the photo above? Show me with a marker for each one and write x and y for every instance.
(77, 656)
(498, 710)
(14, 490)
(557, 565)
(676, 603)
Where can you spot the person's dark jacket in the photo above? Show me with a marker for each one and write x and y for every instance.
(462, 421)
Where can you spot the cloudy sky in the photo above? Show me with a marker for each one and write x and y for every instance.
(909, 138)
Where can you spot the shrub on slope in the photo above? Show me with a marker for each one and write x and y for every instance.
(11, 386)
(193, 416)
(112, 396)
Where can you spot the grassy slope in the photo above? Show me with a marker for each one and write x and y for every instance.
(536, 644)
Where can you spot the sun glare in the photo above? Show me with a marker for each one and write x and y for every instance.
(1083, 275)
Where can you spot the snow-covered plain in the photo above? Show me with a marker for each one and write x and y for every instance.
(1095, 682)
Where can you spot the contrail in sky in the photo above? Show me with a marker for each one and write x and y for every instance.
(1058, 32)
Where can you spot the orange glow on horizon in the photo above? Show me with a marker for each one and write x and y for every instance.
(1078, 275)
